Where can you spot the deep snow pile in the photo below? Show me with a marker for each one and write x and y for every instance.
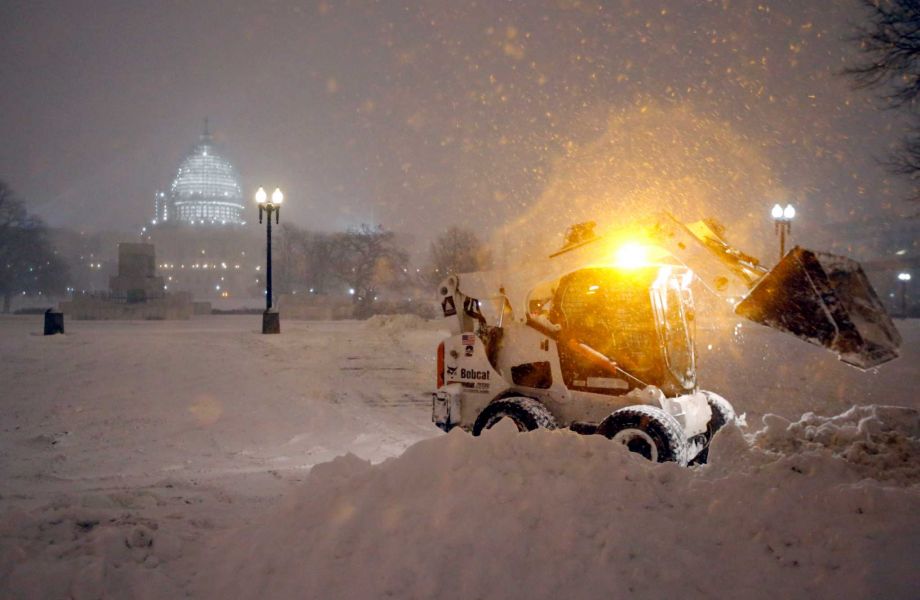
(80, 552)
(558, 515)
(881, 441)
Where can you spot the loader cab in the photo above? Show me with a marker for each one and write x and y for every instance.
(641, 319)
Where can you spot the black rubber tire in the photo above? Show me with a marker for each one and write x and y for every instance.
(648, 431)
(722, 414)
(526, 413)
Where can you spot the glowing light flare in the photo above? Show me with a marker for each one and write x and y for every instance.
(631, 255)
(206, 410)
(904, 276)
(782, 214)
(277, 196)
(261, 196)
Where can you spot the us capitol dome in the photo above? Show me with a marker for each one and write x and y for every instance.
(206, 190)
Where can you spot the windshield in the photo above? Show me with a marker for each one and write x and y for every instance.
(610, 311)
(672, 305)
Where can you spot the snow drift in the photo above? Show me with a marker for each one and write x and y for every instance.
(558, 515)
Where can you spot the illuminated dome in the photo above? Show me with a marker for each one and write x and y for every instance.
(206, 190)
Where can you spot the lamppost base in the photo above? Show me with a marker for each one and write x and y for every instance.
(271, 322)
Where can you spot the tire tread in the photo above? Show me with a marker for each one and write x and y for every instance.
(513, 407)
(672, 431)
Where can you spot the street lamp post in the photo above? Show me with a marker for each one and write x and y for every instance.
(271, 323)
(782, 224)
(903, 278)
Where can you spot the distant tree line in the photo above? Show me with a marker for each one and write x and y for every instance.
(889, 63)
(365, 260)
(370, 262)
(28, 262)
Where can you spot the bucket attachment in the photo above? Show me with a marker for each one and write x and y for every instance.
(826, 300)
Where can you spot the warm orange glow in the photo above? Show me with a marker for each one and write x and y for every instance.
(631, 255)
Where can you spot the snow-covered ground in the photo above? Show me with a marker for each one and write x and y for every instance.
(166, 459)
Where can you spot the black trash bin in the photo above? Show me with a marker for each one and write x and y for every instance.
(271, 322)
(54, 322)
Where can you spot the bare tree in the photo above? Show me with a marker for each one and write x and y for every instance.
(457, 250)
(890, 63)
(12, 210)
(368, 259)
(304, 260)
(292, 255)
(28, 263)
(890, 47)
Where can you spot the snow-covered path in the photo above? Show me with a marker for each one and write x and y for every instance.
(194, 425)
(130, 403)
(127, 448)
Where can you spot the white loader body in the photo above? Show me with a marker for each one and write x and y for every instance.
(602, 341)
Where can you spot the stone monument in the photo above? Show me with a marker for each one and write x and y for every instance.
(136, 280)
(136, 292)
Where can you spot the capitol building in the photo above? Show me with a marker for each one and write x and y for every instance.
(206, 190)
(198, 229)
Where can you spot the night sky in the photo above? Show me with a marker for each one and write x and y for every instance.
(422, 115)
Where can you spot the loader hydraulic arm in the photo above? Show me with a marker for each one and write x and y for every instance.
(821, 298)
(725, 270)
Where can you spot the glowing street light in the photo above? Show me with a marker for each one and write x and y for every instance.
(782, 224)
(271, 322)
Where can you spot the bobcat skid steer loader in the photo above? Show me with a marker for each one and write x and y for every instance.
(598, 337)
